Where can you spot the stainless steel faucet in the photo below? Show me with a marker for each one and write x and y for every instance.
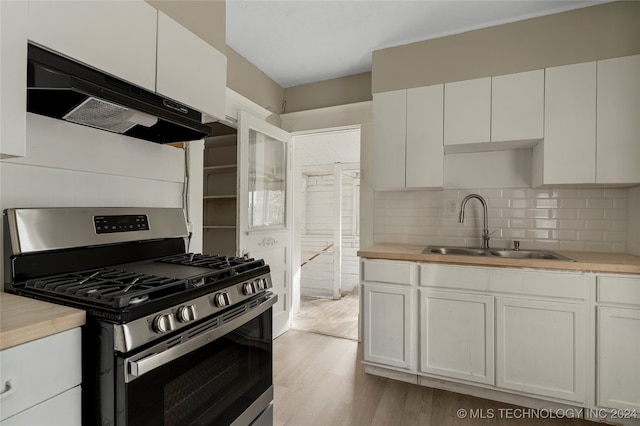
(485, 230)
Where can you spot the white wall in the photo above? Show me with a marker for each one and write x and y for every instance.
(317, 233)
(69, 165)
(583, 219)
(633, 213)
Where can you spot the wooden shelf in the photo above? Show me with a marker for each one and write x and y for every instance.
(221, 140)
(218, 197)
(225, 168)
(220, 184)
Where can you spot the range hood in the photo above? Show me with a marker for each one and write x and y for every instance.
(62, 88)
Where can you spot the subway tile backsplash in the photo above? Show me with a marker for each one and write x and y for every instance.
(583, 219)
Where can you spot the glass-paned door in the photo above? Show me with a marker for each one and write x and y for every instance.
(267, 180)
(265, 206)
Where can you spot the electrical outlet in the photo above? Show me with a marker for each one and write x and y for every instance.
(452, 207)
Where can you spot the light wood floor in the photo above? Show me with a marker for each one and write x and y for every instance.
(338, 318)
(319, 380)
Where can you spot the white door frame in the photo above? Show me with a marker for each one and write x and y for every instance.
(298, 209)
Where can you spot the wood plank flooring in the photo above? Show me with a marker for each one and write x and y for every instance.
(338, 318)
(319, 380)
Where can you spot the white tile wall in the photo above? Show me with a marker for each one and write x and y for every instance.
(584, 219)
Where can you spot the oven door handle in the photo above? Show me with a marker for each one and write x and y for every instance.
(140, 367)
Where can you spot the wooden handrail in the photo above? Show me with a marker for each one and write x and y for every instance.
(317, 254)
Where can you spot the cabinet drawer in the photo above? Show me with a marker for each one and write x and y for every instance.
(62, 410)
(521, 282)
(405, 273)
(39, 370)
(454, 277)
(618, 289)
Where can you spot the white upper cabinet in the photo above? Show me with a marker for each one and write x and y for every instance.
(389, 138)
(591, 124)
(494, 113)
(13, 84)
(568, 154)
(118, 38)
(407, 138)
(424, 151)
(467, 111)
(517, 106)
(135, 42)
(189, 69)
(618, 123)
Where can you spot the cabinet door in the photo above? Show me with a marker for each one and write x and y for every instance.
(541, 348)
(190, 70)
(569, 151)
(618, 127)
(618, 358)
(425, 151)
(389, 139)
(456, 335)
(517, 106)
(116, 37)
(37, 378)
(13, 85)
(387, 329)
(467, 111)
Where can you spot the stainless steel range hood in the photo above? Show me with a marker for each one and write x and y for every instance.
(62, 88)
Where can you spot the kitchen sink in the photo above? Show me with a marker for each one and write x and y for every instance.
(530, 254)
(503, 253)
(464, 251)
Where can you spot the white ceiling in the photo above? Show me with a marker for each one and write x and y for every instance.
(328, 148)
(303, 41)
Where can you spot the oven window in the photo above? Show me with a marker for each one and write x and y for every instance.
(212, 385)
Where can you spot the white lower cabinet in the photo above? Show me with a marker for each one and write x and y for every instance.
(40, 381)
(456, 335)
(618, 358)
(61, 410)
(387, 325)
(388, 312)
(540, 348)
(618, 344)
(512, 334)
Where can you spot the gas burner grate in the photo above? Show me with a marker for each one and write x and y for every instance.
(221, 266)
(108, 287)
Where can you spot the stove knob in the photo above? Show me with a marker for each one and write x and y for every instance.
(187, 313)
(222, 299)
(163, 323)
(248, 288)
(260, 283)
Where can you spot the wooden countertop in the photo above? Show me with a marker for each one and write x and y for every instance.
(619, 263)
(23, 320)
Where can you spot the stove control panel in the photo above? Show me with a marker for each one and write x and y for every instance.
(120, 223)
(143, 330)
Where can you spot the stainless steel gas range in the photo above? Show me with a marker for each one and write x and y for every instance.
(172, 338)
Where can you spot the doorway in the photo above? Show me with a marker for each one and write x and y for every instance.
(327, 174)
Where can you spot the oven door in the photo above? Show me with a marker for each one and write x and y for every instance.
(215, 373)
